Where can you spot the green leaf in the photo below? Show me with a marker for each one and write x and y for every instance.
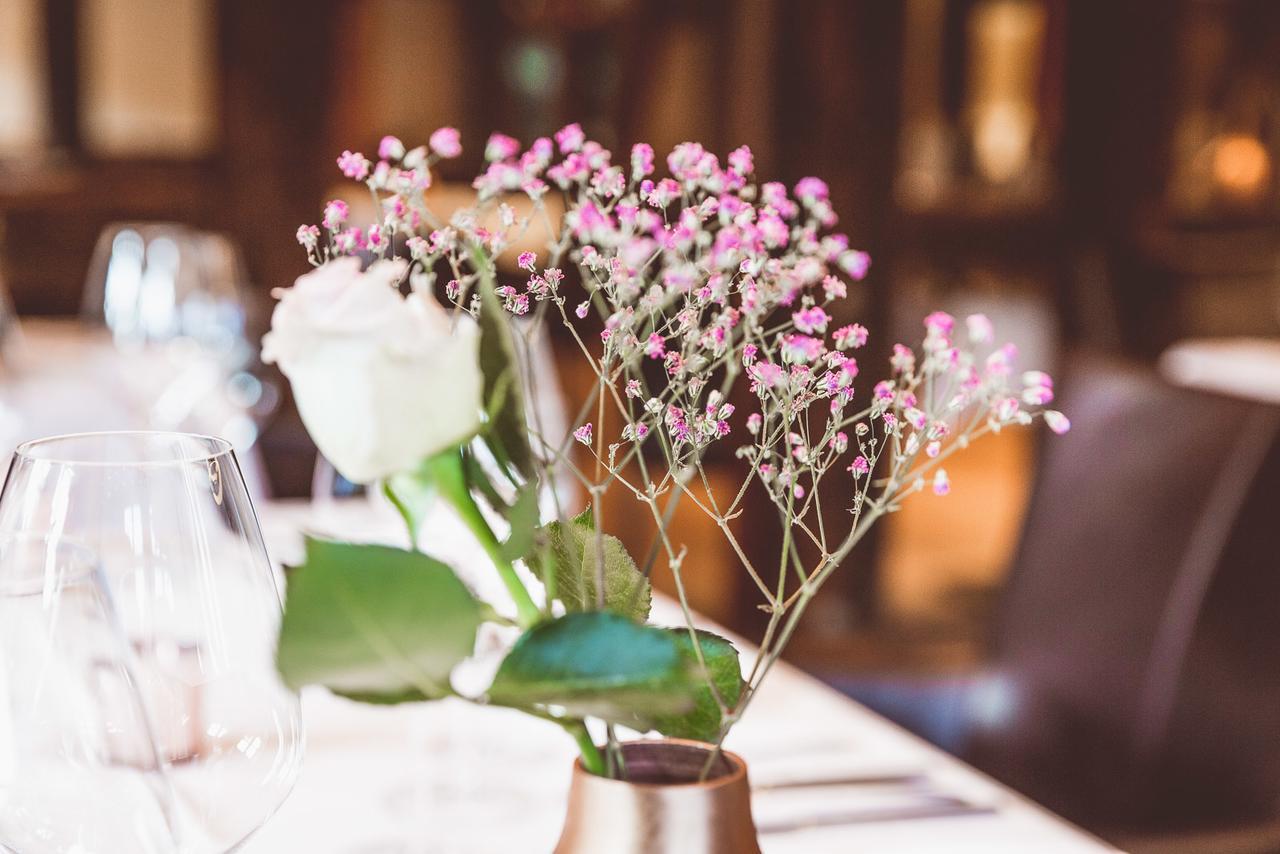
(374, 623)
(703, 721)
(597, 664)
(413, 494)
(523, 518)
(571, 548)
(506, 434)
(481, 481)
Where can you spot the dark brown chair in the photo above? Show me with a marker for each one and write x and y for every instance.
(1138, 648)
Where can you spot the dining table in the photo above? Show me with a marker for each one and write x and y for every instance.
(451, 777)
(828, 775)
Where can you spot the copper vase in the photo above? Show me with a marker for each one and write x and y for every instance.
(662, 808)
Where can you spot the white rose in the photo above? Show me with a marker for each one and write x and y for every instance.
(382, 381)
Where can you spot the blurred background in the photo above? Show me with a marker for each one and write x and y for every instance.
(1093, 620)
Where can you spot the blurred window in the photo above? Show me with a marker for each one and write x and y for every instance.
(23, 81)
(148, 75)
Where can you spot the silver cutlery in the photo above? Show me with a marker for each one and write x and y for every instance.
(938, 807)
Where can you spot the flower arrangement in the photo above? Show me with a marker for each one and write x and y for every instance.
(673, 290)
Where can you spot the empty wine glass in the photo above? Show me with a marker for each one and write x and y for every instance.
(175, 300)
(78, 765)
(197, 604)
(155, 283)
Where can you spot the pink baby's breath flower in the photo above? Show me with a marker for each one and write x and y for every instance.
(915, 417)
(350, 240)
(834, 288)
(1037, 395)
(1006, 408)
(774, 194)
(884, 390)
(855, 263)
(749, 355)
(633, 388)
(535, 188)
(354, 165)
(418, 247)
(852, 336)
(802, 348)
(811, 320)
(583, 434)
(903, 359)
(773, 229)
(859, 466)
(641, 161)
(1035, 378)
(664, 193)
(1057, 422)
(687, 162)
(812, 190)
(932, 449)
(570, 138)
(501, 147)
(581, 310)
(941, 483)
(939, 323)
(446, 142)
(754, 420)
(1000, 363)
(335, 214)
(840, 442)
(308, 235)
(527, 260)
(767, 375)
(980, 329)
(741, 161)
(390, 148)
(655, 347)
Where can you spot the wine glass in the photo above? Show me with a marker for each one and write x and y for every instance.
(153, 283)
(198, 604)
(78, 765)
(175, 300)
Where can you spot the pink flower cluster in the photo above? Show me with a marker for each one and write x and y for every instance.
(710, 275)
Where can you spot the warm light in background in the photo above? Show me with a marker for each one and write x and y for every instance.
(1241, 165)
(1005, 38)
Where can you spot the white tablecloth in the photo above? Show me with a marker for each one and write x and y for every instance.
(448, 777)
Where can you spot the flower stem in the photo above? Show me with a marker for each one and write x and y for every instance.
(591, 759)
(447, 472)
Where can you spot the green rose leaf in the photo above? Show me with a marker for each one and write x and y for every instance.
(571, 549)
(412, 494)
(506, 433)
(480, 479)
(703, 721)
(598, 664)
(523, 518)
(374, 623)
